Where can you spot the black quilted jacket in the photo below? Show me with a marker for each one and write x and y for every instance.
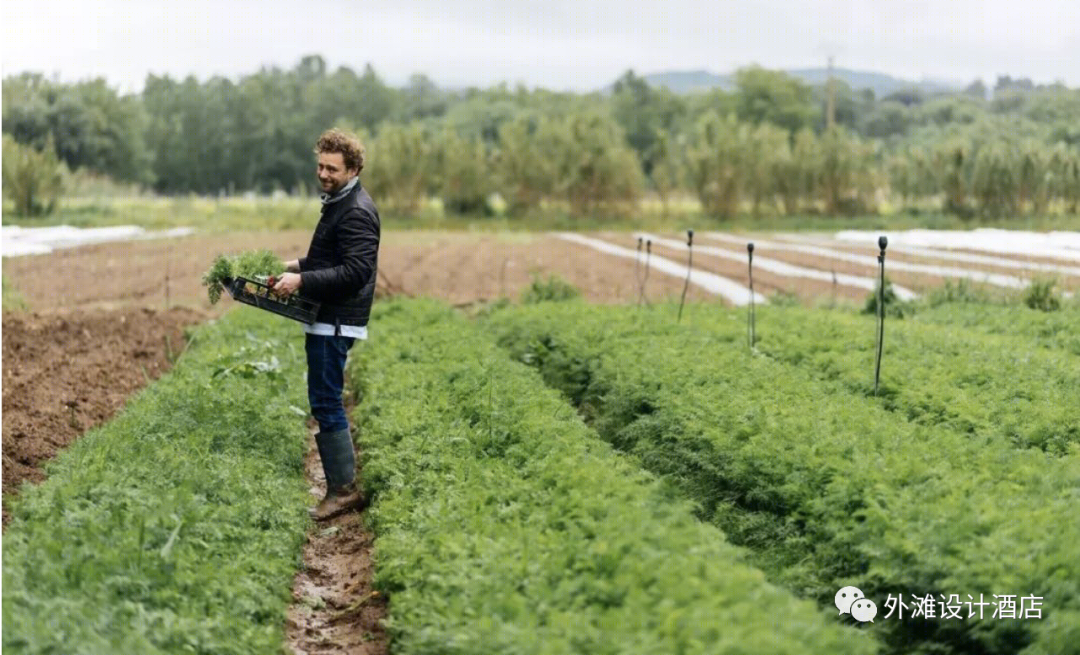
(339, 270)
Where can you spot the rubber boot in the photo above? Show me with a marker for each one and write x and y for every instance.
(339, 463)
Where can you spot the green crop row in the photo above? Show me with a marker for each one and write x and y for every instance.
(504, 525)
(1058, 330)
(943, 376)
(826, 486)
(177, 526)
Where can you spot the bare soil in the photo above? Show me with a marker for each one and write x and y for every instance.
(464, 268)
(806, 290)
(918, 282)
(154, 273)
(456, 267)
(65, 374)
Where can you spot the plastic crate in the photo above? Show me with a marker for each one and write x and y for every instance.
(259, 294)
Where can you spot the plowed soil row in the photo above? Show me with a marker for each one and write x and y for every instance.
(65, 374)
(457, 267)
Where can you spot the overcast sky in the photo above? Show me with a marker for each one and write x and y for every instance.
(580, 45)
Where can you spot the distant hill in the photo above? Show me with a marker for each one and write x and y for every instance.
(882, 84)
(690, 81)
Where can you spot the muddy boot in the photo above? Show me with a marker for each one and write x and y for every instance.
(345, 499)
(339, 463)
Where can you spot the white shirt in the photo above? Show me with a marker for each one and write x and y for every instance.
(327, 330)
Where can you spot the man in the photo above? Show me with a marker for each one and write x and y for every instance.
(339, 271)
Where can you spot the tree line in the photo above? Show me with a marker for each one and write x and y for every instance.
(767, 146)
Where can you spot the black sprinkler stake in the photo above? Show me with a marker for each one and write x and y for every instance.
(750, 252)
(637, 267)
(645, 279)
(689, 266)
(882, 243)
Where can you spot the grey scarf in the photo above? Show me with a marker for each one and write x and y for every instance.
(328, 198)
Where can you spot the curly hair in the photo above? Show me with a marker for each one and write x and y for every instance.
(335, 140)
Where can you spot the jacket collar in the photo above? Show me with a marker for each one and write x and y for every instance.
(328, 198)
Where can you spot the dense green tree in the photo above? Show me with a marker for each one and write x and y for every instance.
(887, 119)
(767, 151)
(643, 113)
(482, 113)
(850, 106)
(596, 170)
(33, 179)
(718, 163)
(88, 123)
(669, 170)
(907, 97)
(526, 166)
(995, 183)
(848, 172)
(760, 147)
(400, 171)
(422, 98)
(461, 172)
(774, 97)
(953, 162)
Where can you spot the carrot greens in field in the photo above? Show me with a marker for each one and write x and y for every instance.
(918, 492)
(177, 526)
(505, 525)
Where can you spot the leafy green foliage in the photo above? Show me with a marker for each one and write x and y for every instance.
(399, 173)
(784, 298)
(579, 159)
(247, 264)
(85, 124)
(543, 151)
(552, 289)
(989, 387)
(504, 525)
(12, 299)
(1017, 323)
(952, 292)
(33, 179)
(177, 526)
(825, 484)
(774, 97)
(894, 307)
(1040, 295)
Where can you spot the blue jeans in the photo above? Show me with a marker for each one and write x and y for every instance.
(326, 379)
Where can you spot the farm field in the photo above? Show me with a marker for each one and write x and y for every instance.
(586, 476)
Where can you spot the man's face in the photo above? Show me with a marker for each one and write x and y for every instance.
(332, 172)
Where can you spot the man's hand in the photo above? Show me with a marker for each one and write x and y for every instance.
(288, 284)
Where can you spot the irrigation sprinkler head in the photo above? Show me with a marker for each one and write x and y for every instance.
(639, 240)
(882, 242)
(689, 237)
(750, 247)
(648, 245)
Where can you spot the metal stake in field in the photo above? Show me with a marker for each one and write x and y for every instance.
(750, 251)
(166, 281)
(882, 242)
(689, 266)
(637, 267)
(645, 279)
(832, 303)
